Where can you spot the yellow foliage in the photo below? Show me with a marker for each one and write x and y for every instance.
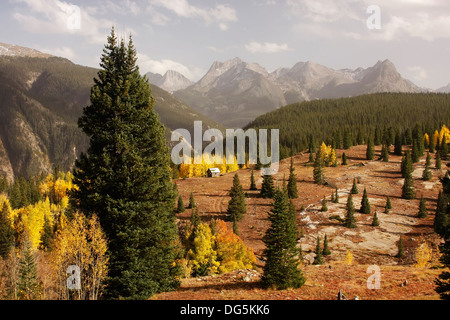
(232, 253)
(436, 137)
(189, 168)
(56, 189)
(349, 258)
(426, 139)
(203, 257)
(444, 131)
(83, 244)
(424, 255)
(328, 153)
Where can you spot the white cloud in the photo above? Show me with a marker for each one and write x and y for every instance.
(54, 16)
(418, 73)
(266, 47)
(220, 14)
(64, 52)
(147, 64)
(423, 19)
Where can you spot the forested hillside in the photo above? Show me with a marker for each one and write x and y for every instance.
(354, 119)
(41, 100)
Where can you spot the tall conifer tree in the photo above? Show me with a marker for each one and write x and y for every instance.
(281, 253)
(125, 178)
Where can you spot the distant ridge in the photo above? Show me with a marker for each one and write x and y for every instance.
(12, 50)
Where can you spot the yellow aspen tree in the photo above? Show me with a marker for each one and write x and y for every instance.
(444, 131)
(202, 256)
(436, 137)
(232, 253)
(424, 255)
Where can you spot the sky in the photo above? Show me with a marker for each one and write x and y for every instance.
(189, 35)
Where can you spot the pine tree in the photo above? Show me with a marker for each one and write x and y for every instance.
(236, 205)
(318, 259)
(427, 174)
(415, 157)
(377, 136)
(180, 205)
(438, 161)
(365, 205)
(375, 222)
(281, 254)
(350, 220)
(407, 166)
(6, 232)
(354, 187)
(191, 201)
(432, 145)
(344, 159)
(28, 286)
(195, 217)
(326, 251)
(125, 178)
(370, 149)
(408, 188)
(292, 184)
(441, 219)
(318, 169)
(422, 208)
(398, 144)
(324, 205)
(252, 182)
(443, 280)
(267, 188)
(388, 205)
(443, 150)
(384, 153)
(336, 196)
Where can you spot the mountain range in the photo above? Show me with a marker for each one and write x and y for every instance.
(235, 92)
(41, 99)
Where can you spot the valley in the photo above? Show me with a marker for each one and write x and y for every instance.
(368, 245)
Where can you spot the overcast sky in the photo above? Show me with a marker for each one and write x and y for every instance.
(189, 35)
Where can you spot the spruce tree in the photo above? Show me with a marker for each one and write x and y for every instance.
(443, 150)
(354, 187)
(350, 220)
(125, 178)
(267, 188)
(326, 250)
(384, 154)
(422, 208)
(427, 174)
(344, 159)
(441, 218)
(292, 184)
(236, 205)
(252, 182)
(370, 149)
(388, 205)
(365, 205)
(398, 144)
(324, 205)
(318, 169)
(438, 161)
(408, 188)
(318, 259)
(375, 221)
(191, 201)
(180, 205)
(443, 280)
(28, 287)
(6, 232)
(336, 196)
(281, 254)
